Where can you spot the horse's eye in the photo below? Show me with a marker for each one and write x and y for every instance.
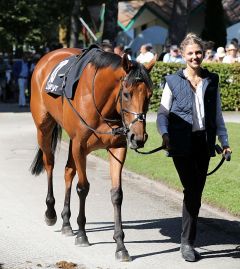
(127, 95)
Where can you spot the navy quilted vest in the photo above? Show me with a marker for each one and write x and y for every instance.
(180, 116)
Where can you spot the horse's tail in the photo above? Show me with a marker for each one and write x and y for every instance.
(37, 166)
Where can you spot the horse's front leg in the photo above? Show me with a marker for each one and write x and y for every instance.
(70, 171)
(83, 185)
(117, 157)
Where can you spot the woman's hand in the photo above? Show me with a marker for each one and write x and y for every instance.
(227, 153)
(165, 141)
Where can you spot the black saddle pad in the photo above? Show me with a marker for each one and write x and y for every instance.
(68, 71)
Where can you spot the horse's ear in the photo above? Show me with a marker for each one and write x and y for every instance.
(126, 63)
(150, 65)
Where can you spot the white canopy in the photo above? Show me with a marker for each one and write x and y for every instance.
(233, 31)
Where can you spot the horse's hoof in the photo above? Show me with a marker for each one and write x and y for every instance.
(50, 222)
(123, 256)
(82, 241)
(67, 230)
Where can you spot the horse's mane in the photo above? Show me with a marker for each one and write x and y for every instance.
(104, 59)
(137, 74)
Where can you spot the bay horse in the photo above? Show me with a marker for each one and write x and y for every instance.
(108, 110)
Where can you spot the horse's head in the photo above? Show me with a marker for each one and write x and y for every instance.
(135, 96)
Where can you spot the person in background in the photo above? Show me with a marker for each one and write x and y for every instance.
(219, 55)
(189, 118)
(21, 74)
(173, 56)
(235, 42)
(209, 56)
(231, 56)
(145, 55)
(107, 46)
(166, 50)
(3, 79)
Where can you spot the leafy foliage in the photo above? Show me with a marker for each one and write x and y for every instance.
(229, 82)
(31, 22)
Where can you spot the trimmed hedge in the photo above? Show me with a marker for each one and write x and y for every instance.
(229, 83)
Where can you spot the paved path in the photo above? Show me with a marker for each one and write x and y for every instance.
(151, 214)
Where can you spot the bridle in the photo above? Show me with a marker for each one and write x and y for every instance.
(114, 131)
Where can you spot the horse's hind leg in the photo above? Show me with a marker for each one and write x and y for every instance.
(45, 134)
(79, 156)
(117, 158)
(70, 171)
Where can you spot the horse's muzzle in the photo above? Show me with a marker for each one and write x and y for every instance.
(136, 141)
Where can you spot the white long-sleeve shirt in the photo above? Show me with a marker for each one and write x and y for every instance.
(198, 113)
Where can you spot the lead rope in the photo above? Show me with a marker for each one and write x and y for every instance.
(219, 150)
(151, 151)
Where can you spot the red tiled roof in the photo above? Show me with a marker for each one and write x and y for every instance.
(128, 9)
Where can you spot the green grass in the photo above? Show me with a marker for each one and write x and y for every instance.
(222, 188)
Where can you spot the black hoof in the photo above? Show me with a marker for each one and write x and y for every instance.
(67, 230)
(82, 241)
(123, 256)
(50, 222)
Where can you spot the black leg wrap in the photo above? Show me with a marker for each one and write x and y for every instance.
(121, 253)
(82, 192)
(50, 214)
(116, 196)
(82, 239)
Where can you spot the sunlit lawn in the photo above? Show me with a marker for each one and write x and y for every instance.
(222, 188)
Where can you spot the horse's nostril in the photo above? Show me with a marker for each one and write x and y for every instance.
(140, 143)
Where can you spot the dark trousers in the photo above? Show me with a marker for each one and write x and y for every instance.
(192, 170)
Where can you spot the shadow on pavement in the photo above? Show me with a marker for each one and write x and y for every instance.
(211, 232)
(13, 107)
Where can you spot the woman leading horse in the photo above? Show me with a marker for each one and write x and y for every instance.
(107, 110)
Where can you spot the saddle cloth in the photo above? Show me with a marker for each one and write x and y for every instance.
(68, 71)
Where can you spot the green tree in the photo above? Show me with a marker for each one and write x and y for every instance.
(214, 27)
(31, 22)
(35, 23)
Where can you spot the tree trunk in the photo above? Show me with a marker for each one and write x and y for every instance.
(75, 24)
(214, 27)
(110, 21)
(179, 21)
